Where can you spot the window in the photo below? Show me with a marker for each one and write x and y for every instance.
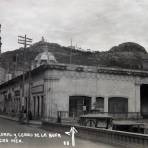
(99, 104)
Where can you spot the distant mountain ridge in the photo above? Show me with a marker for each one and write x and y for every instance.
(126, 55)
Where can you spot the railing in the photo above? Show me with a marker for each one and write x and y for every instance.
(63, 114)
(120, 115)
(128, 115)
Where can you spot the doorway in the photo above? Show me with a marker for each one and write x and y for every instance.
(144, 100)
(79, 105)
(118, 105)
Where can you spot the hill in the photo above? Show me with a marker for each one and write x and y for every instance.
(125, 55)
(128, 47)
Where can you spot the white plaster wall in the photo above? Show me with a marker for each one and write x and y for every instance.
(70, 83)
(60, 84)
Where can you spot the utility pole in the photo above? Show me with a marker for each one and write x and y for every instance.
(71, 52)
(0, 39)
(24, 40)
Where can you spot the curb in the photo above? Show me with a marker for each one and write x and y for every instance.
(8, 118)
(16, 119)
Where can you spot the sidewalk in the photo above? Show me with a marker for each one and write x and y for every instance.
(35, 122)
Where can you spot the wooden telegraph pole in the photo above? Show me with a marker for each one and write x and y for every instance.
(24, 40)
(70, 52)
(0, 39)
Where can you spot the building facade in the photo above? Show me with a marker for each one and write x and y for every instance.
(74, 90)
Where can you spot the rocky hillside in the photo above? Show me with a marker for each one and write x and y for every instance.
(126, 55)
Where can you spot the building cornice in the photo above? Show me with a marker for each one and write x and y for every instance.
(79, 68)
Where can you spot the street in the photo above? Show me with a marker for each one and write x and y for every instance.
(15, 135)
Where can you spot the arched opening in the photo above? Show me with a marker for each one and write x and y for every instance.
(79, 105)
(99, 104)
(118, 105)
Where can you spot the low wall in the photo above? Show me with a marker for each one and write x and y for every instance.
(125, 139)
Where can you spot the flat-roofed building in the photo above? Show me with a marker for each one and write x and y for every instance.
(75, 90)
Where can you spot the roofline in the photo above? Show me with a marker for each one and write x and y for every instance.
(79, 68)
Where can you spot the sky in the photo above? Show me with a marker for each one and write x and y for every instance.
(91, 24)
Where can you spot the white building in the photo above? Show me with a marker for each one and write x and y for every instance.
(75, 89)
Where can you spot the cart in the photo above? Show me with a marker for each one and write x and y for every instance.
(96, 120)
